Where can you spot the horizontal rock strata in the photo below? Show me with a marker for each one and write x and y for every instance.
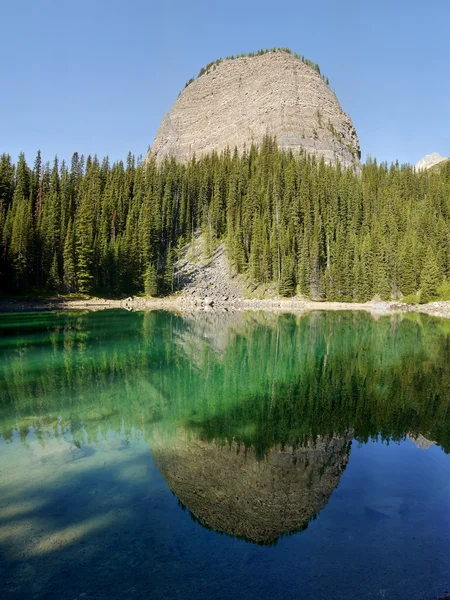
(239, 101)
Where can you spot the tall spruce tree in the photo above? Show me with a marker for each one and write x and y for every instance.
(151, 281)
(430, 277)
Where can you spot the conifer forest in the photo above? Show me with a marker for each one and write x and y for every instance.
(286, 219)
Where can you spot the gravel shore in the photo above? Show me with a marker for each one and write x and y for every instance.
(181, 303)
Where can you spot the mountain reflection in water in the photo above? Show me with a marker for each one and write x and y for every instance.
(226, 487)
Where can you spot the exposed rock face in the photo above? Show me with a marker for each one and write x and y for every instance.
(429, 161)
(241, 100)
(227, 489)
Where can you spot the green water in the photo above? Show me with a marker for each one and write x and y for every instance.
(224, 455)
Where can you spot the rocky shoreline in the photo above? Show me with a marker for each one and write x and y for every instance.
(184, 303)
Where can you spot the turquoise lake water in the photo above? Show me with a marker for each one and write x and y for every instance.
(224, 455)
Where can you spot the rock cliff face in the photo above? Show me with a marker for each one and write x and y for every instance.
(429, 161)
(241, 100)
(227, 489)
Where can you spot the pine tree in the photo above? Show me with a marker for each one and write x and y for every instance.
(21, 235)
(238, 251)
(169, 271)
(151, 281)
(6, 183)
(54, 281)
(286, 286)
(430, 278)
(37, 190)
(69, 260)
(21, 226)
(304, 268)
(365, 280)
(407, 268)
(84, 244)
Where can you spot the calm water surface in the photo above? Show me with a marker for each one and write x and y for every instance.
(148, 455)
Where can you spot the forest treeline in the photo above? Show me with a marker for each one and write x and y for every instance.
(325, 232)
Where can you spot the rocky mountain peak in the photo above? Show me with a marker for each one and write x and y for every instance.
(238, 101)
(429, 161)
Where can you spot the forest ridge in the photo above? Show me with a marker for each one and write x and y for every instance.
(313, 229)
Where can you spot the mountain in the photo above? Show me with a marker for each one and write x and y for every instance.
(236, 102)
(430, 160)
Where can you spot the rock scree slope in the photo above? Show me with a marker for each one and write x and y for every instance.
(239, 101)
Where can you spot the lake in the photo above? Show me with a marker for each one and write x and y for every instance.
(224, 455)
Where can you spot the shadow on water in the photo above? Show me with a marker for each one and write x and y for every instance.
(250, 420)
(100, 518)
(98, 532)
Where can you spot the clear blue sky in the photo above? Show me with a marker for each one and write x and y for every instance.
(97, 76)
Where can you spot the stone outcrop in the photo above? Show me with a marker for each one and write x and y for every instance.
(241, 100)
(228, 489)
(429, 161)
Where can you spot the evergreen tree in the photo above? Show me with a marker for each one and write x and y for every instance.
(284, 218)
(151, 281)
(19, 231)
(408, 269)
(21, 234)
(84, 244)
(430, 277)
(54, 281)
(168, 271)
(286, 286)
(69, 260)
